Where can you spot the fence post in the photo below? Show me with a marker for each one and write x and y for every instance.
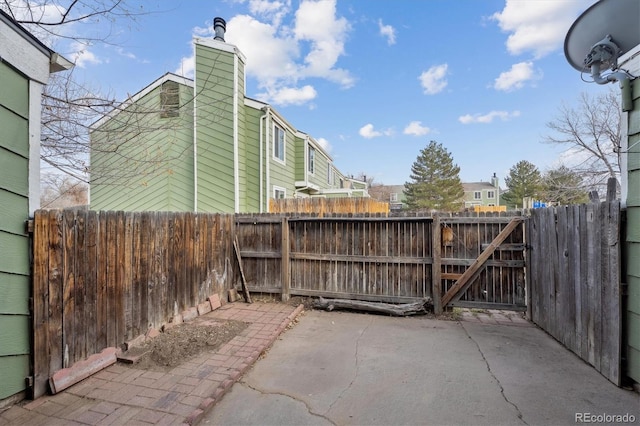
(286, 276)
(436, 269)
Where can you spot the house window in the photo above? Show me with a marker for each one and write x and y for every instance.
(279, 193)
(477, 195)
(278, 143)
(169, 99)
(491, 194)
(329, 174)
(341, 183)
(393, 198)
(312, 159)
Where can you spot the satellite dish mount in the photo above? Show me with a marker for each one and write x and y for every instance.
(603, 32)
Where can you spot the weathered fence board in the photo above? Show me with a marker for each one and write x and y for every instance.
(102, 278)
(575, 280)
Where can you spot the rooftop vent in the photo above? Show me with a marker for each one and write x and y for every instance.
(219, 27)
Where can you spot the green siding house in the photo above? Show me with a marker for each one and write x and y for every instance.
(25, 64)
(482, 193)
(201, 145)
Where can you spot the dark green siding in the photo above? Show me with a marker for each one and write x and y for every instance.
(14, 244)
(633, 241)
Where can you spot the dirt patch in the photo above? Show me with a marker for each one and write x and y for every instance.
(183, 342)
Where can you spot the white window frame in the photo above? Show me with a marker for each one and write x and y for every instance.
(477, 195)
(277, 189)
(329, 174)
(491, 194)
(393, 197)
(311, 159)
(276, 130)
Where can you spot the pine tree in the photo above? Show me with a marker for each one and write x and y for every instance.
(524, 180)
(435, 181)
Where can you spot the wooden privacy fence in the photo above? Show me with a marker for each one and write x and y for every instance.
(326, 206)
(390, 259)
(575, 280)
(102, 278)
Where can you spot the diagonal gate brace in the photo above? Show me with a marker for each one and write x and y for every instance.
(476, 267)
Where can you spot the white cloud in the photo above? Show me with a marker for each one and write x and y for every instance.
(316, 22)
(537, 26)
(387, 31)
(516, 77)
(289, 95)
(324, 144)
(81, 55)
(368, 132)
(281, 56)
(488, 118)
(434, 79)
(124, 53)
(415, 128)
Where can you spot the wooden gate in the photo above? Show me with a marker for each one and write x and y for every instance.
(483, 262)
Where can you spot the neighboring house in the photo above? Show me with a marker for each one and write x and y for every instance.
(25, 64)
(201, 145)
(482, 193)
(392, 194)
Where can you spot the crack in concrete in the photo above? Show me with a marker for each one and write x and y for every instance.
(309, 410)
(504, 396)
(357, 366)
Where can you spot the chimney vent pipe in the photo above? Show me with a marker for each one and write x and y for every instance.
(219, 27)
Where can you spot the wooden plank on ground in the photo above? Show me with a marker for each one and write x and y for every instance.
(245, 289)
(465, 281)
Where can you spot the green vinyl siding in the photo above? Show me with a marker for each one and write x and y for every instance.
(14, 243)
(147, 165)
(15, 130)
(300, 153)
(14, 91)
(633, 242)
(251, 144)
(214, 133)
(319, 175)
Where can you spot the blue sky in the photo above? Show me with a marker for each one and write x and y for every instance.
(375, 81)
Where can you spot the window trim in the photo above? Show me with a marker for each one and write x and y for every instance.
(393, 197)
(491, 194)
(169, 99)
(279, 189)
(283, 160)
(311, 159)
(477, 195)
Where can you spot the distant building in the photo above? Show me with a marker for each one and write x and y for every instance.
(482, 194)
(392, 194)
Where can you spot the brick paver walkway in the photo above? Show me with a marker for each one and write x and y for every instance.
(121, 395)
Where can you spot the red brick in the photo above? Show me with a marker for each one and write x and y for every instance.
(204, 308)
(190, 314)
(214, 301)
(194, 417)
(66, 377)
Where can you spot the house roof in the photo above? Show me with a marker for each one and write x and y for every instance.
(477, 186)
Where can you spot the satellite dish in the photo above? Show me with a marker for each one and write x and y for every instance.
(603, 32)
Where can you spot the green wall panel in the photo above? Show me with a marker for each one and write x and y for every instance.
(14, 172)
(14, 294)
(14, 90)
(14, 253)
(15, 132)
(13, 370)
(14, 335)
(14, 210)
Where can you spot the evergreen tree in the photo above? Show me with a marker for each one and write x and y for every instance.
(564, 186)
(524, 180)
(435, 181)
